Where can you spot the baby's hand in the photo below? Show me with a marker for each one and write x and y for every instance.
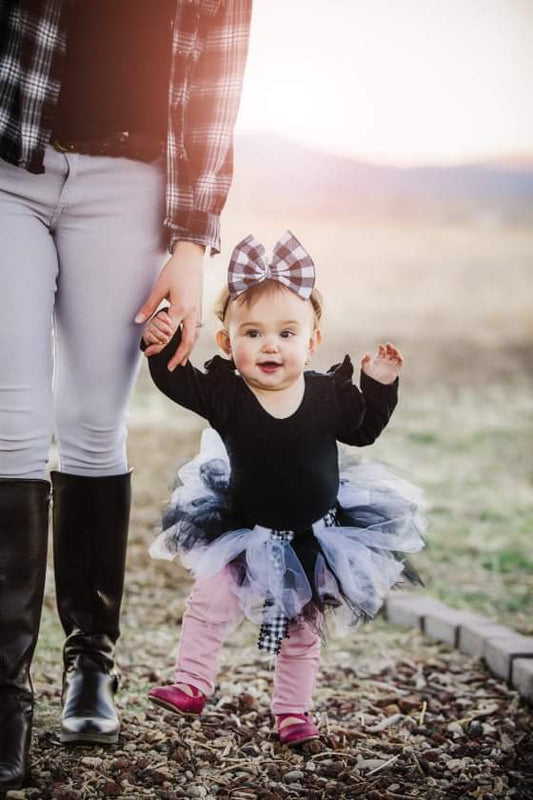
(386, 364)
(157, 333)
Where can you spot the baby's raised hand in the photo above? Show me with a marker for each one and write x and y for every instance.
(386, 364)
(157, 333)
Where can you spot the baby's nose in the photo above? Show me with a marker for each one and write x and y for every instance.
(270, 345)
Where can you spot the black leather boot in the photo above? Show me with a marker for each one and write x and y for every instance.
(90, 524)
(23, 544)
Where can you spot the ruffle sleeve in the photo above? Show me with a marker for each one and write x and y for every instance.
(362, 413)
(220, 366)
(348, 400)
(342, 373)
(221, 375)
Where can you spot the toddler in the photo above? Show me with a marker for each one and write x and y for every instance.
(262, 518)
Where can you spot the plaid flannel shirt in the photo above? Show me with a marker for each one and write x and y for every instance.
(209, 48)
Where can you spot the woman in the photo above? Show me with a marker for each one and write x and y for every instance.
(116, 138)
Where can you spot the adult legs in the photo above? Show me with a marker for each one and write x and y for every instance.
(90, 524)
(23, 545)
(28, 273)
(28, 269)
(109, 243)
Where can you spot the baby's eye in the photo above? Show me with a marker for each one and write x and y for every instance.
(287, 334)
(253, 334)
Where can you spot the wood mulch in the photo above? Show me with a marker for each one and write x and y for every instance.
(401, 717)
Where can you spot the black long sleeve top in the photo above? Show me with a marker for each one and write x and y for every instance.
(284, 472)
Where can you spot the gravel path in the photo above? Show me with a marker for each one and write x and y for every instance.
(401, 716)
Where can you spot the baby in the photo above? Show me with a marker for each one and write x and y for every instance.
(263, 520)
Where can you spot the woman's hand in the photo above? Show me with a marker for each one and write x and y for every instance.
(180, 282)
(386, 364)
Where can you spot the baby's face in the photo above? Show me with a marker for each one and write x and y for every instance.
(270, 341)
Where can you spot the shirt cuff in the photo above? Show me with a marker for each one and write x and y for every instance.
(201, 227)
(380, 392)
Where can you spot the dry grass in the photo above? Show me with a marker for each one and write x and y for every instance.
(457, 300)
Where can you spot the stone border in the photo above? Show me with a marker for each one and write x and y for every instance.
(508, 654)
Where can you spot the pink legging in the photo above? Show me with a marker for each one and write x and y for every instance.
(212, 611)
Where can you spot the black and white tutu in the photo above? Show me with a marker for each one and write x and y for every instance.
(344, 564)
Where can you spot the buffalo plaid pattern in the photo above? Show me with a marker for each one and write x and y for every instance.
(272, 633)
(33, 45)
(209, 49)
(290, 264)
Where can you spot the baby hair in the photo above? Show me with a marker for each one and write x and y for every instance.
(267, 287)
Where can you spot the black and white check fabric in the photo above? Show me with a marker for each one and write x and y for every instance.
(32, 48)
(209, 49)
(272, 633)
(289, 264)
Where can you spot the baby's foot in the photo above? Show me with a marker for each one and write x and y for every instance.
(181, 698)
(188, 689)
(296, 728)
(290, 721)
(386, 364)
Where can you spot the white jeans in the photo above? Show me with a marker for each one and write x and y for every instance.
(80, 248)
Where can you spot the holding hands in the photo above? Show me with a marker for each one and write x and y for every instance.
(179, 282)
(385, 366)
(158, 332)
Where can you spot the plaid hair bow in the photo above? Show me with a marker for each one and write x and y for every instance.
(289, 264)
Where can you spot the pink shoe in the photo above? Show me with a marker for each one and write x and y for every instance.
(174, 699)
(298, 732)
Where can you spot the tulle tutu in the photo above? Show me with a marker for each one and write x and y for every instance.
(346, 562)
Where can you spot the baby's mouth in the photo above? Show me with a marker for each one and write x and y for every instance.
(269, 366)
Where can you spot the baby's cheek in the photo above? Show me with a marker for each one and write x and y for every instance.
(242, 358)
(295, 362)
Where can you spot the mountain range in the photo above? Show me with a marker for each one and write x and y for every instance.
(273, 169)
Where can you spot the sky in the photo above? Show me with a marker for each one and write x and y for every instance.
(402, 82)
